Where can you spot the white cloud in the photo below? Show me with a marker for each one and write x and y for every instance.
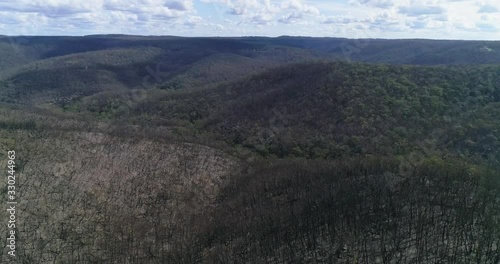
(193, 21)
(266, 12)
(50, 8)
(343, 20)
(244, 7)
(262, 19)
(300, 7)
(348, 18)
(291, 18)
(374, 3)
(156, 9)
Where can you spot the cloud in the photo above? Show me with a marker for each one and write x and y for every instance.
(441, 17)
(193, 21)
(300, 7)
(291, 18)
(10, 18)
(265, 12)
(236, 11)
(244, 7)
(341, 20)
(262, 19)
(427, 22)
(421, 10)
(375, 3)
(179, 5)
(49, 8)
(488, 9)
(486, 27)
(70, 17)
(81, 22)
(151, 9)
(417, 24)
(385, 21)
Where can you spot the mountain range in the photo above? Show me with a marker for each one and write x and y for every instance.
(164, 149)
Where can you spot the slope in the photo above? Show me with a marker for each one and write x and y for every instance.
(327, 110)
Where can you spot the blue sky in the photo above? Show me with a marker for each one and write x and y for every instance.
(436, 19)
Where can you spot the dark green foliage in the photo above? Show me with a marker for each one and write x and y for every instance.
(327, 110)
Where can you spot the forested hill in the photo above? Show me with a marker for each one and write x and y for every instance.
(413, 51)
(328, 110)
(41, 69)
(134, 149)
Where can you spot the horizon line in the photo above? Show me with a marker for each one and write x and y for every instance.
(246, 36)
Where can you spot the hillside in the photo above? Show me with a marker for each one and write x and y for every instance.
(97, 63)
(404, 51)
(135, 149)
(328, 110)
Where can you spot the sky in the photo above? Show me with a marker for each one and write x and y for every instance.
(432, 19)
